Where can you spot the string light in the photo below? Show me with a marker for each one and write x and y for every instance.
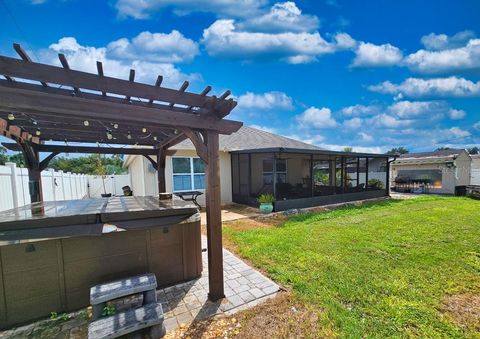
(86, 123)
(115, 126)
(11, 116)
(175, 131)
(37, 132)
(144, 130)
(155, 138)
(109, 135)
(129, 136)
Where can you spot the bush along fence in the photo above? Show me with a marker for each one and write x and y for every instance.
(56, 186)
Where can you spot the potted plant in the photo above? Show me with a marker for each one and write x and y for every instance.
(266, 203)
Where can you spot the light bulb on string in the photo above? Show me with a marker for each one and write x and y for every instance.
(115, 126)
(11, 116)
(86, 123)
(109, 135)
(37, 132)
(129, 136)
(144, 130)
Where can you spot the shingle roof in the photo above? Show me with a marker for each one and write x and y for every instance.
(440, 153)
(251, 138)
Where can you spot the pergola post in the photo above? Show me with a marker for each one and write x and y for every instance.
(161, 158)
(214, 220)
(32, 161)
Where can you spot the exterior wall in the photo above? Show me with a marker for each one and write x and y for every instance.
(145, 182)
(282, 205)
(448, 175)
(136, 170)
(463, 165)
(475, 170)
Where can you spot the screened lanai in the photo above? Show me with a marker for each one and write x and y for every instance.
(304, 178)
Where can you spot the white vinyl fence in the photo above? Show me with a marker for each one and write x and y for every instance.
(55, 186)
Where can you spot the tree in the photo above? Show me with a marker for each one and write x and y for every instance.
(442, 148)
(3, 156)
(348, 149)
(474, 150)
(18, 159)
(398, 150)
(89, 164)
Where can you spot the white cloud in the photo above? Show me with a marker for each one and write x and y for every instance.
(365, 137)
(142, 9)
(223, 39)
(456, 114)
(477, 125)
(370, 55)
(84, 58)
(282, 17)
(344, 41)
(353, 123)
(438, 42)
(446, 61)
(360, 110)
(157, 47)
(265, 128)
(388, 121)
(355, 148)
(407, 109)
(439, 87)
(455, 133)
(265, 101)
(316, 118)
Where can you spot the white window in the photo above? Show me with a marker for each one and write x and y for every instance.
(281, 171)
(188, 174)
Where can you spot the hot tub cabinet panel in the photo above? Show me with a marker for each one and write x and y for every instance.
(39, 276)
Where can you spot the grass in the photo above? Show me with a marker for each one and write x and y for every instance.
(379, 270)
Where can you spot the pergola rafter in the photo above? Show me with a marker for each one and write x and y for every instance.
(41, 103)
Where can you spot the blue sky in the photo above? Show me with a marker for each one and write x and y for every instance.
(367, 74)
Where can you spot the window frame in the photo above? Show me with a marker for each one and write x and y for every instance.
(192, 175)
(274, 170)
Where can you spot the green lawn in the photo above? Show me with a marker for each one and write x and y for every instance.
(381, 270)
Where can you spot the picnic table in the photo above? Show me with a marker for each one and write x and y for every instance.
(190, 196)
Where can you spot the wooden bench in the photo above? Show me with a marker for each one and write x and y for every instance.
(150, 314)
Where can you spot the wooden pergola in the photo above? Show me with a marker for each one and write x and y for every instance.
(40, 103)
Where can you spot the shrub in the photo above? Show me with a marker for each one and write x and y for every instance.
(375, 183)
(266, 199)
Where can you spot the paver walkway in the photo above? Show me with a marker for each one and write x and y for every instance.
(244, 287)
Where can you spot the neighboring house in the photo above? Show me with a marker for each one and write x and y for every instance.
(254, 162)
(441, 171)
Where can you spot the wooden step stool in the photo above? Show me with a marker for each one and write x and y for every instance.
(149, 315)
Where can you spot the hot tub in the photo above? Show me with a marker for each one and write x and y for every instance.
(51, 253)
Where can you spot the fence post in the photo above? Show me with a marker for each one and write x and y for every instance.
(70, 184)
(13, 179)
(62, 180)
(52, 172)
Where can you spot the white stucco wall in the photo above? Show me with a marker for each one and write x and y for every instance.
(475, 170)
(147, 183)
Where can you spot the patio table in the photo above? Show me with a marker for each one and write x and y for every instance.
(190, 196)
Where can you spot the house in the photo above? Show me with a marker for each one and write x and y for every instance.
(442, 172)
(254, 162)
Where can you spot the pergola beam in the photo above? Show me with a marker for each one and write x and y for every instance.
(51, 74)
(28, 101)
(87, 149)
